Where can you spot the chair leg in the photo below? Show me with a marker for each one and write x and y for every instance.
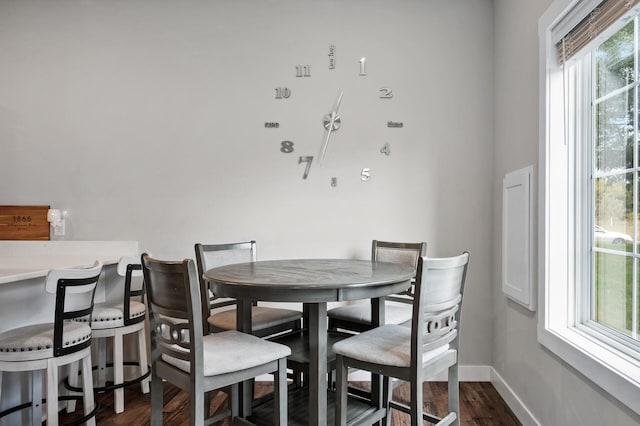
(73, 381)
(341, 391)
(101, 355)
(36, 397)
(387, 396)
(234, 400)
(87, 389)
(52, 393)
(280, 393)
(454, 393)
(416, 402)
(118, 372)
(197, 405)
(156, 399)
(142, 359)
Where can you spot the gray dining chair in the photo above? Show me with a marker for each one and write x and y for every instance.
(398, 307)
(185, 354)
(220, 313)
(412, 354)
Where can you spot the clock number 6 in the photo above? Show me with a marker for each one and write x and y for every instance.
(308, 159)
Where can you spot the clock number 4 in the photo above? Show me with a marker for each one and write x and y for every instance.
(303, 70)
(283, 92)
(308, 159)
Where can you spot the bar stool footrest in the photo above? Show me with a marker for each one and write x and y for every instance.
(101, 389)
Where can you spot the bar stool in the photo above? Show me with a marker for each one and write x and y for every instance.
(48, 346)
(115, 320)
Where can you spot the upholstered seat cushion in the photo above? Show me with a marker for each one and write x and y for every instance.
(389, 345)
(232, 350)
(34, 342)
(107, 315)
(262, 317)
(395, 313)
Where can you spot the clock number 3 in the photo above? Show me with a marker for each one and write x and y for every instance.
(308, 159)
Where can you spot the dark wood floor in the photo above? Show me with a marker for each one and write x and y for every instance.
(480, 404)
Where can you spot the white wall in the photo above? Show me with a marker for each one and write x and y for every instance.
(554, 393)
(145, 120)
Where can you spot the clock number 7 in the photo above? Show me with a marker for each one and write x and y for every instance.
(309, 160)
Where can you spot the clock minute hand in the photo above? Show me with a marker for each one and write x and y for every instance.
(333, 117)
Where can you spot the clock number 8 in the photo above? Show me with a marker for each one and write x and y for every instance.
(286, 147)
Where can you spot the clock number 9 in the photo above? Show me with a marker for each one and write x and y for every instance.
(283, 92)
(308, 159)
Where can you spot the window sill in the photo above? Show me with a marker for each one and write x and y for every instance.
(610, 369)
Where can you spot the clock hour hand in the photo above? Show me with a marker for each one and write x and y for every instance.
(331, 123)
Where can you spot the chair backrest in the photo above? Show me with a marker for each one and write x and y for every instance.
(210, 256)
(173, 296)
(397, 252)
(129, 267)
(436, 309)
(74, 289)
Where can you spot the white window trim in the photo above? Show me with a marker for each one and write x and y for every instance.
(612, 370)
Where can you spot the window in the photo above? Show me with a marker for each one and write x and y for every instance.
(590, 191)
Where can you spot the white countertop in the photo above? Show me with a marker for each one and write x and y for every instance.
(22, 260)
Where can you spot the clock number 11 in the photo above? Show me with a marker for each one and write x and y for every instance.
(303, 70)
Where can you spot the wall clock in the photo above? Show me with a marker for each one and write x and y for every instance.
(311, 154)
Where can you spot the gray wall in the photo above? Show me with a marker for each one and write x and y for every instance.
(554, 393)
(145, 120)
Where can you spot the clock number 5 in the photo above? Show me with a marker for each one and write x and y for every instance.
(366, 174)
(308, 159)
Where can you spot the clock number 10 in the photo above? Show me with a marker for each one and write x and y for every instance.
(283, 92)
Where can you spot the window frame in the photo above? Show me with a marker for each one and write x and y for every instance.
(560, 330)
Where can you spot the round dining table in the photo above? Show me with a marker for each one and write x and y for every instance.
(313, 282)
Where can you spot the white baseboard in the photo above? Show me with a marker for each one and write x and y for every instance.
(517, 406)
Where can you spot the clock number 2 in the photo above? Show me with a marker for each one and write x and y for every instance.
(308, 159)
(386, 93)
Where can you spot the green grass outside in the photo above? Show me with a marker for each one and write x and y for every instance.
(614, 288)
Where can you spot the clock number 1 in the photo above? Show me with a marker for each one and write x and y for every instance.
(308, 159)
(363, 62)
(283, 92)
